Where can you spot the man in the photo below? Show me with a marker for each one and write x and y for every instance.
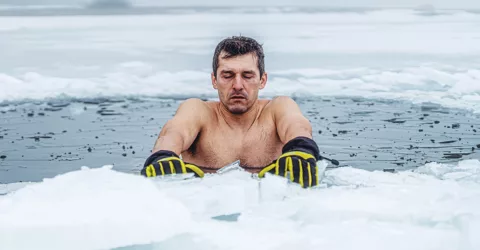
(265, 135)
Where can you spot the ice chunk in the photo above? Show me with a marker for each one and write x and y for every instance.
(89, 209)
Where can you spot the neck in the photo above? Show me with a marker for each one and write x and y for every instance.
(239, 121)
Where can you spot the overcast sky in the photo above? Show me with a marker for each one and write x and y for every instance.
(338, 3)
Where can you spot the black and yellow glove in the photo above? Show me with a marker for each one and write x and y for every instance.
(299, 160)
(166, 162)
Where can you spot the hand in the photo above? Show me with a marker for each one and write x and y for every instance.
(299, 160)
(166, 162)
(301, 166)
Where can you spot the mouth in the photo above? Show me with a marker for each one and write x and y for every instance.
(237, 97)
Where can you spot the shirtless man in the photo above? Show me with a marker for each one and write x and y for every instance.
(265, 135)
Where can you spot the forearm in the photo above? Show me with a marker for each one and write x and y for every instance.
(295, 127)
(166, 156)
(171, 140)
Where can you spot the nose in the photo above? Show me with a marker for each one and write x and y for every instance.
(238, 83)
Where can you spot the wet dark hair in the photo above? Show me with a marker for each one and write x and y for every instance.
(236, 46)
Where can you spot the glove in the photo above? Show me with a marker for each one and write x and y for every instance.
(166, 162)
(299, 159)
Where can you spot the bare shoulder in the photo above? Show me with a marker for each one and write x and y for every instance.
(194, 104)
(283, 100)
(282, 104)
(289, 119)
(285, 108)
(193, 109)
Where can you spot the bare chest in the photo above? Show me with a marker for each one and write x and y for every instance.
(218, 146)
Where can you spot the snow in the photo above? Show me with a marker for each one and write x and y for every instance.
(433, 207)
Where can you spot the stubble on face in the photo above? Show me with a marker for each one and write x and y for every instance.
(238, 82)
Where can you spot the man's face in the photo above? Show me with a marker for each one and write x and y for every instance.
(238, 82)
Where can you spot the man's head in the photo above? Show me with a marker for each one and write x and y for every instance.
(238, 73)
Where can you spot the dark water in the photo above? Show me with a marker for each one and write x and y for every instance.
(39, 140)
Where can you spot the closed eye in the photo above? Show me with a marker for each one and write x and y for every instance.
(248, 76)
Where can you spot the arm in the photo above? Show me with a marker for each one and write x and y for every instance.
(300, 153)
(289, 119)
(179, 132)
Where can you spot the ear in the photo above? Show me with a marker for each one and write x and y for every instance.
(263, 80)
(214, 81)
